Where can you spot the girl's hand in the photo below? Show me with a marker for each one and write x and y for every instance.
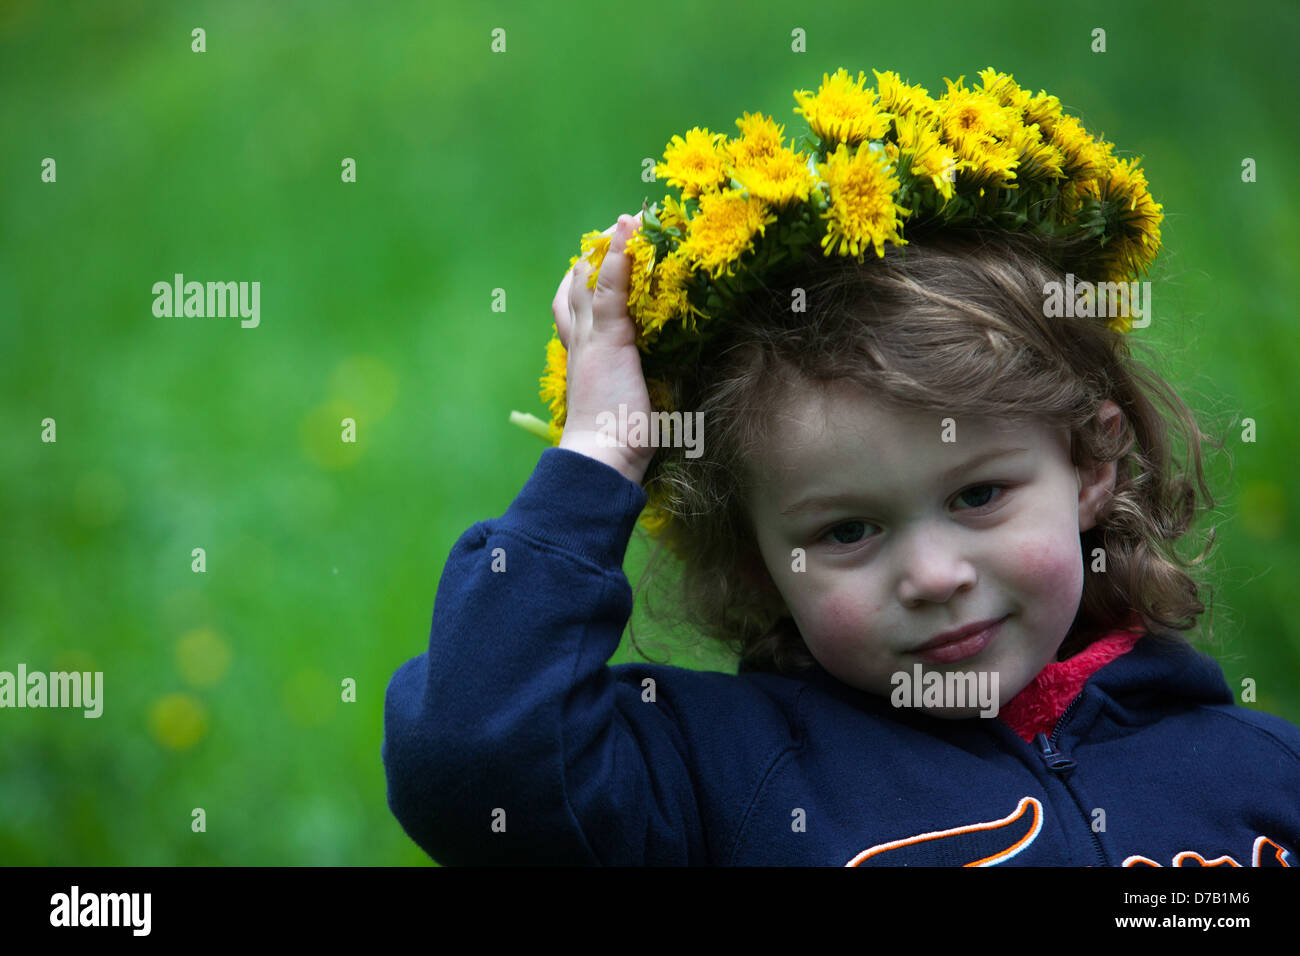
(603, 363)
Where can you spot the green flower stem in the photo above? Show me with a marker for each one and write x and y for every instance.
(531, 423)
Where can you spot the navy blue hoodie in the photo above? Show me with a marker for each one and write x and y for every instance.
(512, 741)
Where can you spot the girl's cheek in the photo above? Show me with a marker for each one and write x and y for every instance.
(841, 621)
(1048, 567)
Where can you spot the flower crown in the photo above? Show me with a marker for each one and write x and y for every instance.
(994, 156)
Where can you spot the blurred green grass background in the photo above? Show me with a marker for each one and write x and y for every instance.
(476, 171)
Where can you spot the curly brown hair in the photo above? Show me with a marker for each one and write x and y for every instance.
(952, 322)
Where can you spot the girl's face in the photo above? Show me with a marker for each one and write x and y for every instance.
(923, 524)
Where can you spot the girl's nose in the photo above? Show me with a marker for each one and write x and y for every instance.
(932, 568)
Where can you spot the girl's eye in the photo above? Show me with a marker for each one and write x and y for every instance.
(981, 492)
(849, 527)
(853, 532)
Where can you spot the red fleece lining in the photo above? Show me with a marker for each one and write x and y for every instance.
(1038, 707)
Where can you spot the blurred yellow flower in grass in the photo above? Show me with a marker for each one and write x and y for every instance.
(862, 212)
(99, 498)
(75, 660)
(178, 721)
(1263, 510)
(724, 230)
(843, 110)
(311, 697)
(368, 382)
(321, 434)
(202, 657)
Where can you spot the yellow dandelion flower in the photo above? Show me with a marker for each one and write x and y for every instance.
(765, 167)
(724, 230)
(1083, 156)
(555, 377)
(696, 164)
(1003, 88)
(594, 247)
(977, 127)
(1039, 158)
(1043, 111)
(842, 110)
(920, 147)
(760, 138)
(642, 254)
(862, 212)
(901, 99)
(1038, 161)
(668, 298)
(973, 113)
(672, 214)
(1085, 160)
(779, 181)
(989, 164)
(1128, 204)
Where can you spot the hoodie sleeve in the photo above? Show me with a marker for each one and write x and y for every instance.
(510, 741)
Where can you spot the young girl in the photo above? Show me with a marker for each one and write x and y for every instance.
(932, 515)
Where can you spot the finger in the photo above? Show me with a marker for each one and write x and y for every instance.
(606, 232)
(610, 300)
(560, 308)
(610, 232)
(579, 304)
(569, 299)
(637, 216)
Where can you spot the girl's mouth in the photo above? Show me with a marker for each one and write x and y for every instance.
(962, 648)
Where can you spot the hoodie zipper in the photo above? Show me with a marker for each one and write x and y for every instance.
(1059, 763)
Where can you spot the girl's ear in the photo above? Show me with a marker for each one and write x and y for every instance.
(1097, 480)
